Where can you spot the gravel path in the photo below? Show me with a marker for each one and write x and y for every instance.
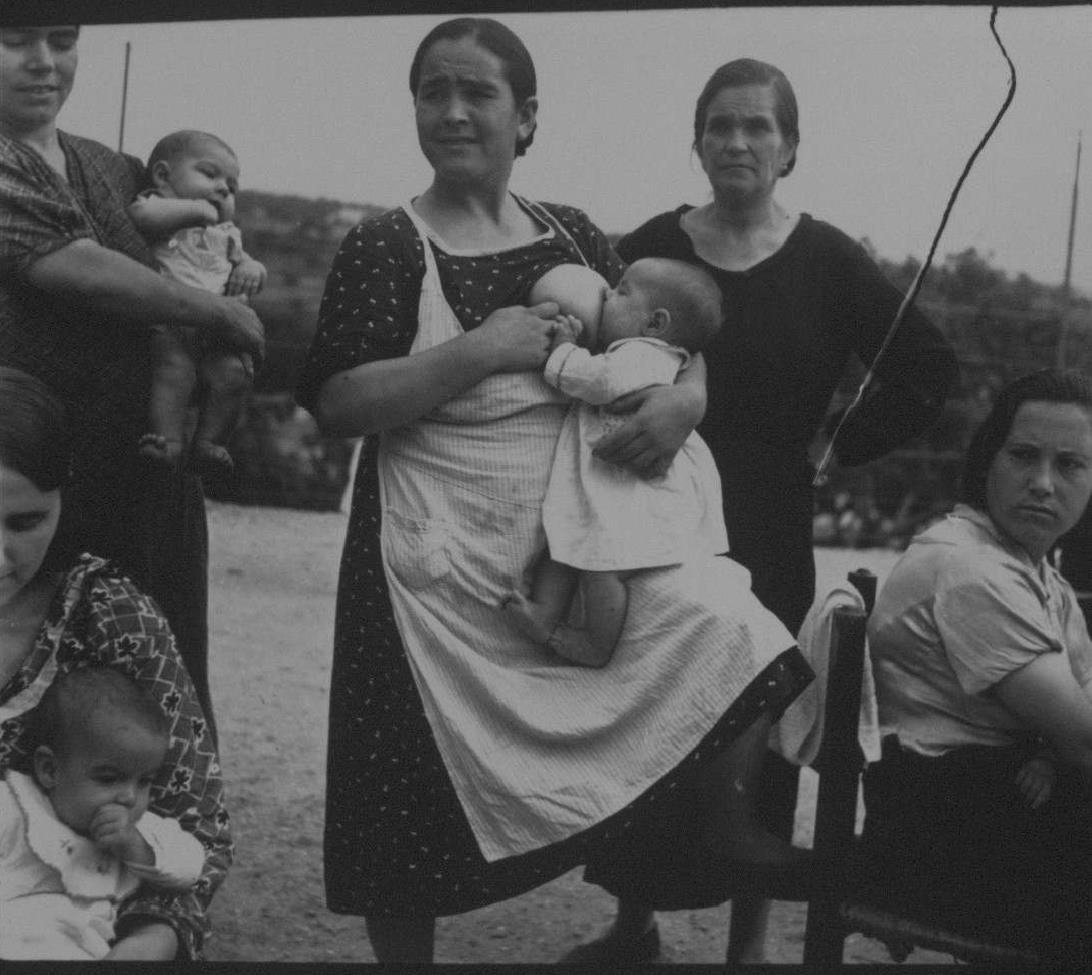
(273, 575)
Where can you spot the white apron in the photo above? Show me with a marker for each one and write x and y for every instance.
(538, 749)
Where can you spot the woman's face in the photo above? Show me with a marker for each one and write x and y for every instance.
(37, 67)
(742, 149)
(28, 522)
(1040, 480)
(468, 121)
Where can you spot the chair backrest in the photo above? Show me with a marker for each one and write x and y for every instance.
(864, 581)
(841, 761)
(839, 764)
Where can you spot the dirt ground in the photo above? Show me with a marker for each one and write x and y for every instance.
(272, 584)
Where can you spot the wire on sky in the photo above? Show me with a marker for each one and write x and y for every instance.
(908, 300)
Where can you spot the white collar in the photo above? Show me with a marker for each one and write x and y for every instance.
(86, 871)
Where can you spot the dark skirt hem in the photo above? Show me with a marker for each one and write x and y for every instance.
(443, 872)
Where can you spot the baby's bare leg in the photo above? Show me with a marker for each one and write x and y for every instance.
(227, 378)
(536, 615)
(173, 378)
(605, 599)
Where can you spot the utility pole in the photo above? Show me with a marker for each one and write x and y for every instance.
(1066, 311)
(124, 99)
(1076, 546)
(1072, 223)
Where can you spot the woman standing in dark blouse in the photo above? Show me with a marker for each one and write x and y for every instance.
(801, 299)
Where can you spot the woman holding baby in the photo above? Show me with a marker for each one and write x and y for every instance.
(466, 764)
(79, 300)
(62, 612)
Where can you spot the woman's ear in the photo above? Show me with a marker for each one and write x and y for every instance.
(789, 164)
(45, 767)
(528, 117)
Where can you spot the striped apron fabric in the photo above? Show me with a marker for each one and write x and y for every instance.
(539, 750)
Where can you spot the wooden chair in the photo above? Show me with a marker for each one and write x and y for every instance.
(836, 912)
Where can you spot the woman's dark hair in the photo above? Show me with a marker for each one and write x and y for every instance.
(1044, 386)
(748, 71)
(34, 437)
(498, 40)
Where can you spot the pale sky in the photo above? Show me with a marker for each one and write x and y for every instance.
(892, 103)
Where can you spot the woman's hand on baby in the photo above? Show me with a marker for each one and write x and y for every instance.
(111, 830)
(1035, 780)
(237, 327)
(662, 417)
(517, 339)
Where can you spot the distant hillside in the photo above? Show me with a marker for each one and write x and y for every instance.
(296, 238)
(1001, 327)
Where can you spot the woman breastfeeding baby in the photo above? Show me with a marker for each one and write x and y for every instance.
(466, 764)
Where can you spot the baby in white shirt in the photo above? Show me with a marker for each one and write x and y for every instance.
(76, 839)
(604, 523)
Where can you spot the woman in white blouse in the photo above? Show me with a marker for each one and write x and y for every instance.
(980, 808)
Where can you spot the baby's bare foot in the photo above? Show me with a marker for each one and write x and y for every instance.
(564, 641)
(158, 449)
(528, 617)
(211, 459)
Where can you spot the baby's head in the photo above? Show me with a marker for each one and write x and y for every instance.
(101, 739)
(192, 165)
(665, 299)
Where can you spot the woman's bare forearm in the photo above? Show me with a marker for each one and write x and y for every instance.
(87, 273)
(115, 286)
(389, 393)
(1045, 695)
(151, 942)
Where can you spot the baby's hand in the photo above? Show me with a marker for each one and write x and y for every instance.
(111, 830)
(1035, 780)
(246, 279)
(209, 214)
(567, 328)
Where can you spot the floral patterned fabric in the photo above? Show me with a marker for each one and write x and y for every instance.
(100, 619)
